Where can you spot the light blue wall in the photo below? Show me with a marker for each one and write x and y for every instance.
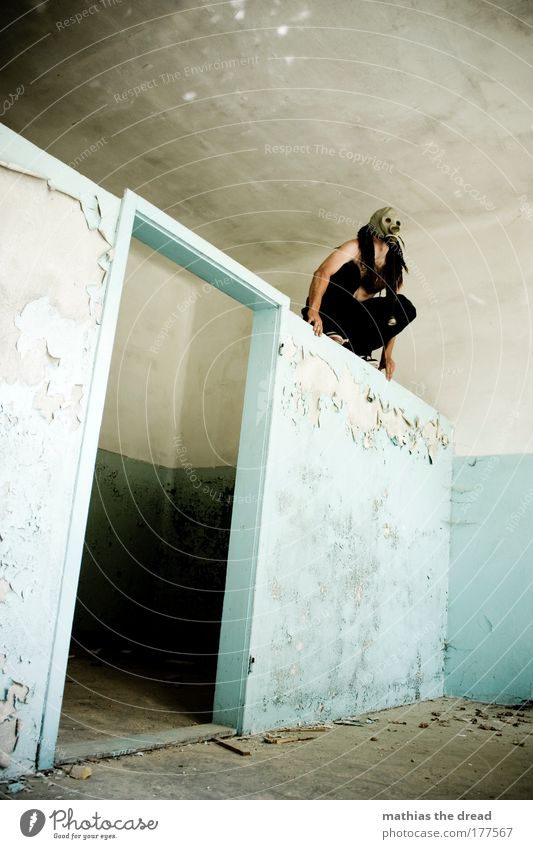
(349, 609)
(490, 632)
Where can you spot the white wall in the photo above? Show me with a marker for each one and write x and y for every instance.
(349, 610)
(471, 351)
(177, 377)
(54, 256)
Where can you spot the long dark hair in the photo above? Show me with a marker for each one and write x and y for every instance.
(391, 276)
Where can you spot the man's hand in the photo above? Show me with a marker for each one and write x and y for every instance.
(313, 317)
(386, 361)
(388, 364)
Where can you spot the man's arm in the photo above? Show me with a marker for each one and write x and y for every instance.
(387, 362)
(320, 281)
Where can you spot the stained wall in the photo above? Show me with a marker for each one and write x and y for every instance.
(154, 561)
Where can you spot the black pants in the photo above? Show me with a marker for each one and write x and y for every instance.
(363, 323)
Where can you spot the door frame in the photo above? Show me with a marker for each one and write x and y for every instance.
(142, 220)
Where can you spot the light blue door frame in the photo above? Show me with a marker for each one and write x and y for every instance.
(143, 221)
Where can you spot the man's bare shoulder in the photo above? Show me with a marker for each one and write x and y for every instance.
(350, 248)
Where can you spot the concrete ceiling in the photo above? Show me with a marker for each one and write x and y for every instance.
(276, 128)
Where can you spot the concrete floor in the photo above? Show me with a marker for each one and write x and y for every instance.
(441, 749)
(119, 694)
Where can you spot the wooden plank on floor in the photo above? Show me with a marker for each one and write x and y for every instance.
(236, 749)
(113, 747)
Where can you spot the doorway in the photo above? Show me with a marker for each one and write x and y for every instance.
(186, 514)
(146, 629)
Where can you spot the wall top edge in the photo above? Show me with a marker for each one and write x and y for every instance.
(15, 150)
(298, 333)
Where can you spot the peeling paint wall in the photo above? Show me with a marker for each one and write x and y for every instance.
(56, 249)
(350, 595)
(489, 652)
(350, 590)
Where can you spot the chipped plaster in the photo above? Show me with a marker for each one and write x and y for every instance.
(350, 589)
(57, 248)
(319, 387)
(10, 724)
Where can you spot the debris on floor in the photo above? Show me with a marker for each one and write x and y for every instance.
(231, 747)
(15, 787)
(305, 728)
(81, 772)
(280, 740)
(459, 760)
